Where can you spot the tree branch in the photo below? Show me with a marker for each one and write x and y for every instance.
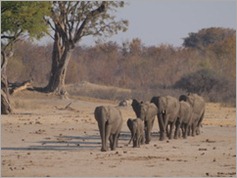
(92, 14)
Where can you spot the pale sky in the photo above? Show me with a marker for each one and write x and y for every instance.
(158, 22)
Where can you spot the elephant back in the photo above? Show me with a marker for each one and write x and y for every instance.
(113, 112)
(185, 111)
(172, 105)
(197, 103)
(148, 110)
(100, 113)
(107, 112)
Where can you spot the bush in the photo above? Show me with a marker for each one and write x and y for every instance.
(209, 83)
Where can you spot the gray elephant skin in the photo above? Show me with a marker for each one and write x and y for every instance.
(147, 112)
(109, 121)
(198, 110)
(168, 110)
(184, 119)
(136, 127)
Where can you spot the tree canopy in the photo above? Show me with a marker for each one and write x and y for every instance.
(23, 17)
(207, 36)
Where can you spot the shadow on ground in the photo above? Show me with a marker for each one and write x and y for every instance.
(63, 142)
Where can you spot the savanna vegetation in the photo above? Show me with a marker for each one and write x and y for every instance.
(69, 22)
(205, 64)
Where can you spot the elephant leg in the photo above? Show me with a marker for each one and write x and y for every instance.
(165, 132)
(148, 133)
(185, 130)
(114, 141)
(189, 129)
(193, 127)
(177, 128)
(199, 124)
(107, 135)
(111, 141)
(161, 125)
(134, 140)
(142, 138)
(198, 130)
(166, 126)
(137, 140)
(171, 130)
(117, 138)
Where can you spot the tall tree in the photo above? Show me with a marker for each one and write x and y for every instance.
(18, 19)
(70, 22)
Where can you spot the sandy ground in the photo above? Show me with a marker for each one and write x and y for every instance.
(42, 138)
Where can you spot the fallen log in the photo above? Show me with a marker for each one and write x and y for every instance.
(16, 87)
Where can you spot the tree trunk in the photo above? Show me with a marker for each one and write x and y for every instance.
(60, 59)
(5, 102)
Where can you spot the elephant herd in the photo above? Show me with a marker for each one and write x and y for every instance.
(176, 117)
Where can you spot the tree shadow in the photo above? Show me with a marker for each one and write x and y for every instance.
(66, 143)
(63, 143)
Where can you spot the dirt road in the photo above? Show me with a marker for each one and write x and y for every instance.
(46, 138)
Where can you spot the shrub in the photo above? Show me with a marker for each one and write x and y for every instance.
(209, 83)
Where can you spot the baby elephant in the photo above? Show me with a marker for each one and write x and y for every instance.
(136, 127)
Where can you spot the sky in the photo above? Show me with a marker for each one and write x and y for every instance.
(157, 22)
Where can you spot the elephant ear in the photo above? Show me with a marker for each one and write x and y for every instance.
(155, 100)
(183, 98)
(136, 107)
(129, 123)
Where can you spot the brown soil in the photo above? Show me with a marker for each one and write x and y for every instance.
(45, 138)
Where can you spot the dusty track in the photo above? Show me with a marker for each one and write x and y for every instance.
(43, 138)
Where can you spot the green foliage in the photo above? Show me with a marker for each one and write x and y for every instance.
(20, 17)
(208, 36)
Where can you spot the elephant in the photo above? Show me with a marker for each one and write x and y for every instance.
(109, 121)
(184, 119)
(136, 127)
(147, 112)
(168, 110)
(198, 110)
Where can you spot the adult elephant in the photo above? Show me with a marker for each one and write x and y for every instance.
(147, 112)
(168, 110)
(184, 119)
(198, 110)
(136, 127)
(109, 121)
